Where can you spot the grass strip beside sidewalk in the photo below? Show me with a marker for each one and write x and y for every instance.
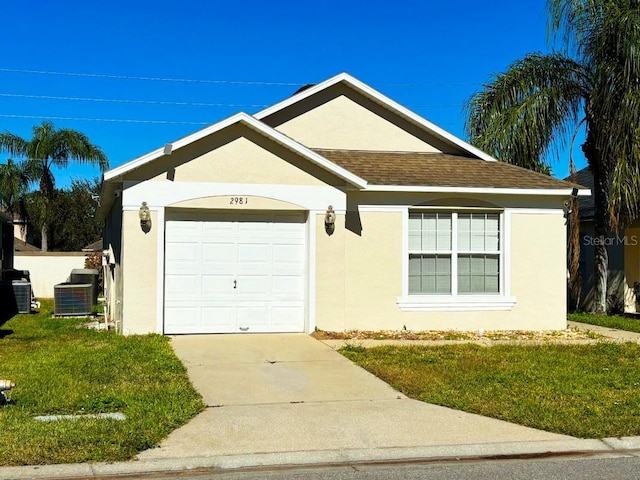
(610, 321)
(61, 368)
(586, 391)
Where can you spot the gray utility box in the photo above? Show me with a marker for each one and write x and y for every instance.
(22, 294)
(86, 275)
(72, 299)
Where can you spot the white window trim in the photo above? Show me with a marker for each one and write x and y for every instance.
(459, 303)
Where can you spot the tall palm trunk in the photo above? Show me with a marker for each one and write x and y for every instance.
(573, 249)
(601, 190)
(44, 233)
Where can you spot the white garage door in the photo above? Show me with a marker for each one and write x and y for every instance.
(235, 273)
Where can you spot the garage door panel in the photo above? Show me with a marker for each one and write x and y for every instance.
(183, 251)
(214, 228)
(182, 318)
(253, 285)
(219, 319)
(186, 229)
(182, 287)
(213, 285)
(252, 253)
(286, 316)
(264, 254)
(287, 253)
(218, 253)
(287, 286)
(253, 316)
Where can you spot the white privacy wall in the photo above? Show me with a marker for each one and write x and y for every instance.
(48, 269)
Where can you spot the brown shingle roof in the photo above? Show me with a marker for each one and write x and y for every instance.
(22, 246)
(438, 169)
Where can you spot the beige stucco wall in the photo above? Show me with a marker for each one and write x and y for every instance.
(342, 123)
(139, 262)
(236, 154)
(359, 278)
(538, 270)
(242, 161)
(631, 268)
(249, 202)
(48, 269)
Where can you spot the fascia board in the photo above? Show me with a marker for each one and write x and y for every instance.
(565, 192)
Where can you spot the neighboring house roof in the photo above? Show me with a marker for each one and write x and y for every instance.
(4, 217)
(93, 247)
(22, 246)
(439, 170)
(586, 205)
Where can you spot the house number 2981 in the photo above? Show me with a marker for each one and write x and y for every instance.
(238, 201)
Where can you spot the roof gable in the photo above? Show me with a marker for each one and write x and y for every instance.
(270, 115)
(256, 125)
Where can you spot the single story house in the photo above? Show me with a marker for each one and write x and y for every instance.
(335, 209)
(623, 249)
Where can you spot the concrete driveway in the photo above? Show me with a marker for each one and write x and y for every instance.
(291, 393)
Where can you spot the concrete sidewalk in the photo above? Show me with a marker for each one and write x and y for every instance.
(611, 334)
(292, 400)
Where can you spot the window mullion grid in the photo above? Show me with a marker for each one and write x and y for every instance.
(454, 254)
(501, 272)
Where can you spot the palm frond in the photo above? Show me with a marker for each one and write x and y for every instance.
(13, 144)
(524, 114)
(73, 145)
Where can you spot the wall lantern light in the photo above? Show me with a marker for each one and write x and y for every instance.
(330, 220)
(145, 217)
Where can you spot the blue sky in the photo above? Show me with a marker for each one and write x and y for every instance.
(428, 55)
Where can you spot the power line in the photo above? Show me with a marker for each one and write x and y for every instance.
(155, 79)
(111, 120)
(217, 82)
(125, 120)
(167, 102)
(147, 102)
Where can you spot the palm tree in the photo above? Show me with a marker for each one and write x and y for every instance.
(14, 182)
(48, 147)
(523, 115)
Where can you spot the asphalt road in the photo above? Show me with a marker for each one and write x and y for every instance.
(561, 468)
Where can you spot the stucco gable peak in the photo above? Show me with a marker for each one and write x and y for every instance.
(250, 122)
(382, 100)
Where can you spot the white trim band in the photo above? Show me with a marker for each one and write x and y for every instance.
(449, 303)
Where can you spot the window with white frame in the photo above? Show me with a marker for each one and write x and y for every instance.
(454, 253)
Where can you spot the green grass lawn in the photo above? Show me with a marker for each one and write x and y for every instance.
(587, 391)
(611, 321)
(60, 368)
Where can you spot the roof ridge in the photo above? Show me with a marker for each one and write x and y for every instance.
(392, 152)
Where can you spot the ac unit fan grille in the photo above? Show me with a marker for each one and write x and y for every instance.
(72, 299)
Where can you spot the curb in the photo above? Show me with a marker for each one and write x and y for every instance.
(618, 446)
